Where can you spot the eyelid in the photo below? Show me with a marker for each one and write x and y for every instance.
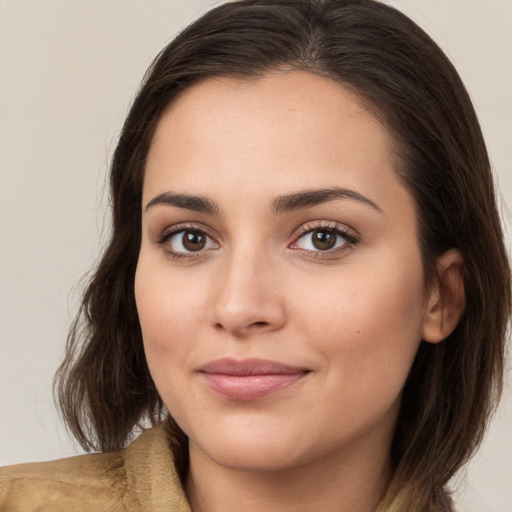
(327, 224)
(351, 237)
(183, 226)
(164, 237)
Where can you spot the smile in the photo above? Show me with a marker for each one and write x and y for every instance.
(249, 379)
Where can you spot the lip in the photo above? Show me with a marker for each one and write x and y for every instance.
(249, 379)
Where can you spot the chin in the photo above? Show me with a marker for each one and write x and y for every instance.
(253, 453)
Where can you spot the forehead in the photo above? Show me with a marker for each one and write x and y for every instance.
(314, 104)
(284, 131)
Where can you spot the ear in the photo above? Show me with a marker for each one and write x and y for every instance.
(446, 300)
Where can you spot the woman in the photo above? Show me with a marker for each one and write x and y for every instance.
(301, 193)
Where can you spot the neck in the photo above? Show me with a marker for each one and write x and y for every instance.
(348, 482)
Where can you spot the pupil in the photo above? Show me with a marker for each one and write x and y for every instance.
(324, 240)
(193, 241)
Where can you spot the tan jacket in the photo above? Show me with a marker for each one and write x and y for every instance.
(140, 478)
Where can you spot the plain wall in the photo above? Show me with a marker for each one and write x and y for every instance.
(68, 71)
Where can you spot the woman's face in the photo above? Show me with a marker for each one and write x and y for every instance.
(279, 286)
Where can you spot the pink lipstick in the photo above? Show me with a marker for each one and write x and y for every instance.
(249, 379)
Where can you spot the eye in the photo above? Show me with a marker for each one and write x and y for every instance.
(324, 239)
(186, 241)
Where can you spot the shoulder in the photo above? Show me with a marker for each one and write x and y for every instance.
(140, 477)
(95, 480)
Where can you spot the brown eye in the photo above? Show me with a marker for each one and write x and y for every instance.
(323, 239)
(193, 240)
(188, 241)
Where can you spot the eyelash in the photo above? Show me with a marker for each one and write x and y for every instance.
(350, 238)
(164, 238)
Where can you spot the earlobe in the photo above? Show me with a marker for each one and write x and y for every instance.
(446, 300)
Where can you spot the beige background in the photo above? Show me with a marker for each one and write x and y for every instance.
(68, 70)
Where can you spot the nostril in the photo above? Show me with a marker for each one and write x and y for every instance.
(249, 327)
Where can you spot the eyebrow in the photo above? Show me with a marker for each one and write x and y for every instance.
(310, 198)
(281, 204)
(186, 201)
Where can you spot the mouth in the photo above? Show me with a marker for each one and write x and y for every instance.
(249, 379)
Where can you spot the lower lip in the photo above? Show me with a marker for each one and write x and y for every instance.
(250, 387)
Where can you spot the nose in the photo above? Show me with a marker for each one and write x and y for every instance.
(249, 298)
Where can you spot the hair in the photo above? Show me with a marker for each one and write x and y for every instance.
(104, 387)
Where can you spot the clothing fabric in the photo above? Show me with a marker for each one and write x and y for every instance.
(139, 478)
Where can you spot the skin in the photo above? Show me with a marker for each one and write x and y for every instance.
(352, 316)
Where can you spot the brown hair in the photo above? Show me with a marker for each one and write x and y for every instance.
(104, 386)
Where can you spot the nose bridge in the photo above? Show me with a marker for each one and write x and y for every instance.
(247, 297)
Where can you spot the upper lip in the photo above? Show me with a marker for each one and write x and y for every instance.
(246, 367)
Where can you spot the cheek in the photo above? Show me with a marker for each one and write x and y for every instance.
(387, 311)
(169, 313)
(367, 325)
